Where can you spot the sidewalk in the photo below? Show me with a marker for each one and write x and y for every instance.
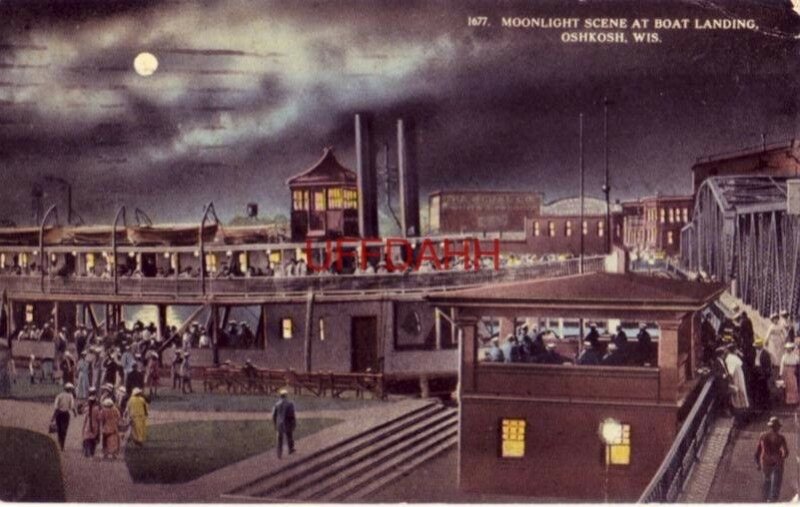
(737, 479)
(87, 480)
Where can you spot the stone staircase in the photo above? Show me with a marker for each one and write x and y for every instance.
(353, 469)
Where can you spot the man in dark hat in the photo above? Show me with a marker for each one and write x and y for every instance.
(613, 356)
(644, 346)
(589, 356)
(771, 452)
(745, 338)
(283, 417)
(620, 339)
(593, 336)
(552, 357)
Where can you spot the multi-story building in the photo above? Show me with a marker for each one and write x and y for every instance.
(653, 224)
(457, 211)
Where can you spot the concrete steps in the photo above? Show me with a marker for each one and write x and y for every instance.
(359, 465)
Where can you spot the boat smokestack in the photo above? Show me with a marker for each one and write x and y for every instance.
(407, 169)
(367, 180)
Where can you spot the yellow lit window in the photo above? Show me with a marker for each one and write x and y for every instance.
(274, 257)
(28, 313)
(663, 215)
(244, 265)
(585, 228)
(686, 215)
(319, 201)
(300, 200)
(568, 230)
(350, 199)
(173, 261)
(335, 198)
(671, 215)
(287, 328)
(670, 240)
(211, 263)
(551, 226)
(619, 452)
(536, 230)
(90, 261)
(601, 228)
(512, 435)
(322, 330)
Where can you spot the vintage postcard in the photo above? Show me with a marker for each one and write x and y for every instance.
(368, 251)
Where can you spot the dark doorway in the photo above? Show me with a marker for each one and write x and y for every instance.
(364, 344)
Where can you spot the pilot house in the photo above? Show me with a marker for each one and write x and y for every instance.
(324, 200)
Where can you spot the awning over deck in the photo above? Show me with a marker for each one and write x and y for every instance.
(634, 295)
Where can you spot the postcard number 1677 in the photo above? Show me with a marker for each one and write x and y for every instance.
(477, 20)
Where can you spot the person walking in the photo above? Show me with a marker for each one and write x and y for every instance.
(771, 452)
(788, 373)
(762, 376)
(91, 424)
(63, 406)
(137, 413)
(283, 417)
(109, 427)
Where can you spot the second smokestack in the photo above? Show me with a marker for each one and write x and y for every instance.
(407, 169)
(367, 180)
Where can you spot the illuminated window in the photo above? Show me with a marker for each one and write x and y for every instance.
(585, 228)
(686, 215)
(512, 437)
(319, 201)
(671, 217)
(274, 257)
(663, 215)
(287, 328)
(551, 226)
(350, 199)
(669, 238)
(335, 198)
(90, 261)
(300, 200)
(173, 261)
(28, 313)
(211, 263)
(568, 230)
(244, 265)
(601, 228)
(2, 260)
(322, 330)
(618, 451)
(536, 231)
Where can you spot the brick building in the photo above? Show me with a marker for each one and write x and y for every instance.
(653, 224)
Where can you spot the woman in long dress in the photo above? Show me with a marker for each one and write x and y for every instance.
(151, 378)
(109, 427)
(91, 425)
(788, 373)
(734, 365)
(82, 389)
(137, 412)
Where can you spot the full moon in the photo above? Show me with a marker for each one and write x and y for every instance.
(145, 64)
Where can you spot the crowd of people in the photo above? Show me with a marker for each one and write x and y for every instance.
(525, 346)
(756, 374)
(108, 418)
(292, 267)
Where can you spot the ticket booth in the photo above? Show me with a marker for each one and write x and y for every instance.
(541, 430)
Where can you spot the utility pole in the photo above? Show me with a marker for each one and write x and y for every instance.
(580, 158)
(607, 184)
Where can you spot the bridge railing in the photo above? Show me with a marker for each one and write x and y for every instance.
(669, 480)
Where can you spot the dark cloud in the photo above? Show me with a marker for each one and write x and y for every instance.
(248, 93)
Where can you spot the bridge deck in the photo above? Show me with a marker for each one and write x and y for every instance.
(737, 479)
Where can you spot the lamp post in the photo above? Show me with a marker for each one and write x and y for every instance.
(610, 432)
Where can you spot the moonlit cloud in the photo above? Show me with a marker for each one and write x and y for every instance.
(247, 93)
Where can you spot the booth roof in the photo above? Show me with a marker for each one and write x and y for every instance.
(596, 289)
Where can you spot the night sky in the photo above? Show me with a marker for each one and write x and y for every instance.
(247, 93)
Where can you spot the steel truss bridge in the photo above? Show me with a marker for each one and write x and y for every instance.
(742, 232)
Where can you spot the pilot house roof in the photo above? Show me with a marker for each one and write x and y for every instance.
(326, 171)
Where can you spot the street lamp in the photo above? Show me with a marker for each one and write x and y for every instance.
(611, 434)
